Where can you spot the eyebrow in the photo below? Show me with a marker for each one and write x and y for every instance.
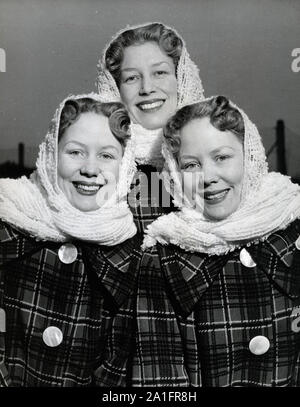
(187, 156)
(216, 150)
(109, 146)
(153, 65)
(75, 142)
(84, 145)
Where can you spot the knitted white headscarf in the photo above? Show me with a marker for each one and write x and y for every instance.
(189, 90)
(269, 202)
(39, 207)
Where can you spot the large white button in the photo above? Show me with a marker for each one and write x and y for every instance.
(297, 243)
(296, 325)
(52, 336)
(246, 259)
(259, 345)
(295, 316)
(67, 253)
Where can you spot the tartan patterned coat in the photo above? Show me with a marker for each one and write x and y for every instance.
(196, 315)
(148, 198)
(86, 301)
(92, 301)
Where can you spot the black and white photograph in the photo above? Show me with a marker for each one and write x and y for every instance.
(149, 196)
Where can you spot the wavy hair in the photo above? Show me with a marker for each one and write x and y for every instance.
(118, 118)
(223, 116)
(166, 38)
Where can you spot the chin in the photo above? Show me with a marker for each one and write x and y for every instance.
(153, 121)
(216, 215)
(151, 124)
(86, 207)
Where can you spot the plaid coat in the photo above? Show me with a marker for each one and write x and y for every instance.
(196, 315)
(148, 198)
(85, 300)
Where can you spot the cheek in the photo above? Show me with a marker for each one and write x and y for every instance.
(187, 185)
(63, 176)
(65, 167)
(113, 169)
(191, 182)
(127, 93)
(61, 169)
(171, 87)
(235, 173)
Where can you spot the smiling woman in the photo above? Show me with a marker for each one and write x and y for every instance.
(58, 230)
(228, 268)
(89, 154)
(148, 67)
(148, 86)
(211, 144)
(143, 61)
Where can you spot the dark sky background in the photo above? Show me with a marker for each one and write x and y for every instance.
(242, 47)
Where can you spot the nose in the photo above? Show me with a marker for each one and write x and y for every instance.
(147, 85)
(210, 174)
(90, 168)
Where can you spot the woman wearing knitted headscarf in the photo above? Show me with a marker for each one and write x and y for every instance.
(148, 67)
(223, 303)
(67, 241)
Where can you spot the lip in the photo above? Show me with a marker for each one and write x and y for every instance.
(150, 106)
(86, 188)
(215, 197)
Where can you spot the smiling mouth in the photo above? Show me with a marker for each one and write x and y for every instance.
(150, 106)
(86, 188)
(215, 197)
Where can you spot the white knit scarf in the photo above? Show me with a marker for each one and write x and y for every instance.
(189, 90)
(269, 202)
(39, 207)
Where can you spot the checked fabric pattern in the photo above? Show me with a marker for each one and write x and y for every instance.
(37, 291)
(196, 315)
(159, 357)
(148, 198)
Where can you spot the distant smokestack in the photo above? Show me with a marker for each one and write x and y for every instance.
(21, 154)
(281, 163)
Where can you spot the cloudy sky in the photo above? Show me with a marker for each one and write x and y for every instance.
(242, 47)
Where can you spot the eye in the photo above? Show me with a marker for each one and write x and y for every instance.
(107, 156)
(222, 157)
(160, 73)
(75, 153)
(131, 79)
(191, 166)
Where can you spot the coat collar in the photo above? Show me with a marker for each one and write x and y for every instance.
(7, 234)
(189, 275)
(15, 244)
(116, 268)
(279, 258)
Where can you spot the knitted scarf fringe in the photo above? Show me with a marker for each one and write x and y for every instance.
(269, 202)
(39, 207)
(272, 208)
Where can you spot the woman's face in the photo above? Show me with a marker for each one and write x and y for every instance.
(215, 160)
(148, 85)
(89, 157)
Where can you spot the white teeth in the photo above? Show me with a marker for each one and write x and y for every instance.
(93, 188)
(215, 196)
(149, 106)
